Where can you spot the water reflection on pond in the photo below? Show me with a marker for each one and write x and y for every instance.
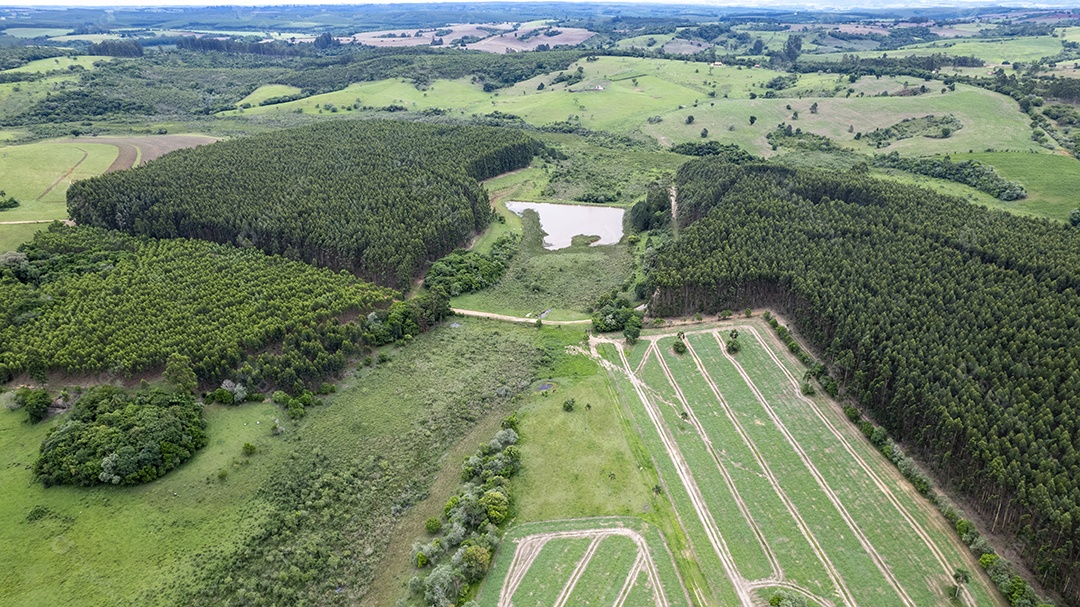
(564, 221)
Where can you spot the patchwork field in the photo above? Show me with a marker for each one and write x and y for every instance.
(777, 490)
(605, 561)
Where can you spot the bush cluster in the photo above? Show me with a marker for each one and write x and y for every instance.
(460, 556)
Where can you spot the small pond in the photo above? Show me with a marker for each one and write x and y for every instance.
(564, 221)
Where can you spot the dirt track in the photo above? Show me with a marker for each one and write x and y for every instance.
(492, 315)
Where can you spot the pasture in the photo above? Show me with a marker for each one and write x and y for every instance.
(991, 50)
(779, 488)
(658, 97)
(1051, 181)
(267, 91)
(59, 63)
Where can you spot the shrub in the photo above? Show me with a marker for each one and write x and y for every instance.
(433, 525)
(34, 402)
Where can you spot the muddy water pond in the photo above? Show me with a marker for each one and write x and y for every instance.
(562, 222)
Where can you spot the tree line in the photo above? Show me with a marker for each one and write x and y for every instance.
(952, 325)
(380, 199)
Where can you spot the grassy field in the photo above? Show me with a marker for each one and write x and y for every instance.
(36, 32)
(593, 472)
(150, 544)
(59, 63)
(38, 176)
(1051, 181)
(108, 545)
(794, 490)
(991, 50)
(268, 91)
(622, 94)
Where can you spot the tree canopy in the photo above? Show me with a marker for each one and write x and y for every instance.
(380, 199)
(953, 325)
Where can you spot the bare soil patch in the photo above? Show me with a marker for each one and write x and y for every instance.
(140, 150)
(511, 41)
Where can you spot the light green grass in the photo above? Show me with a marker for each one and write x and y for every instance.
(36, 32)
(592, 472)
(919, 508)
(620, 94)
(698, 563)
(59, 63)
(86, 38)
(991, 50)
(545, 578)
(783, 537)
(643, 41)
(441, 93)
(11, 236)
(1051, 181)
(28, 171)
(605, 575)
(268, 91)
(109, 545)
(909, 558)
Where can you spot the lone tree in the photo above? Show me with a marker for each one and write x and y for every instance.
(1074, 218)
(690, 119)
(961, 576)
(753, 119)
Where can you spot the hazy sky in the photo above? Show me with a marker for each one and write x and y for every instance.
(811, 4)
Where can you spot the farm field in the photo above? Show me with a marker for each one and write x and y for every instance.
(782, 488)
(38, 174)
(601, 561)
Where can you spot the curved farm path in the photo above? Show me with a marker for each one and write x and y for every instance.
(832, 497)
(774, 564)
(492, 315)
(529, 548)
(804, 528)
(878, 482)
(64, 176)
(682, 469)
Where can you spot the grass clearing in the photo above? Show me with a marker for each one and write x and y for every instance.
(36, 32)
(109, 545)
(60, 63)
(11, 236)
(38, 175)
(268, 91)
(1051, 181)
(991, 50)
(593, 472)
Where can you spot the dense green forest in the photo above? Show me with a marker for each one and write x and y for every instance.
(85, 300)
(99, 443)
(381, 199)
(955, 327)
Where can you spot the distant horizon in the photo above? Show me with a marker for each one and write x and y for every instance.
(822, 6)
